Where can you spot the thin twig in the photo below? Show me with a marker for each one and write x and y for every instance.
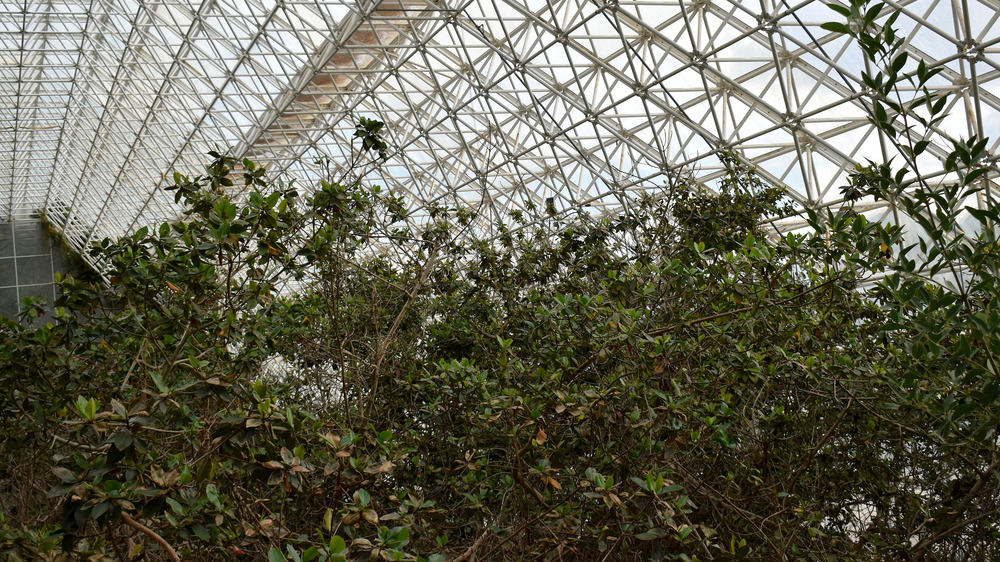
(335, 282)
(551, 508)
(177, 352)
(380, 356)
(812, 453)
(702, 320)
(91, 448)
(470, 553)
(921, 549)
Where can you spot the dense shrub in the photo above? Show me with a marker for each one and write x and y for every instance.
(289, 377)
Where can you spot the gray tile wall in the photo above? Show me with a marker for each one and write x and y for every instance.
(28, 262)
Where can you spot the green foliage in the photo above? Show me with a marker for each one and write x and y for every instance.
(279, 377)
(940, 303)
(582, 388)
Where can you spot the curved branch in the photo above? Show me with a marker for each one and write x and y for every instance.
(152, 535)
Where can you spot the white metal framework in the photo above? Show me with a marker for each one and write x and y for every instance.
(488, 103)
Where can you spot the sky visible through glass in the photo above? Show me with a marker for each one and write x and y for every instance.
(488, 104)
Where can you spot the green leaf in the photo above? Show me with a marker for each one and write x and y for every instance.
(963, 410)
(275, 555)
(64, 475)
(338, 549)
(82, 408)
(175, 506)
(984, 216)
(122, 439)
(362, 497)
(921, 72)
(873, 13)
(938, 106)
(900, 61)
(398, 537)
(842, 10)
(118, 408)
(100, 509)
(202, 532)
(337, 545)
(403, 535)
(212, 493)
(880, 114)
(974, 175)
(652, 534)
(835, 27)
(158, 381)
(62, 490)
(310, 554)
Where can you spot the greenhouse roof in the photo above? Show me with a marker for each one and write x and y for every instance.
(488, 104)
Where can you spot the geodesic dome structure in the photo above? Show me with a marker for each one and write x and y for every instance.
(488, 104)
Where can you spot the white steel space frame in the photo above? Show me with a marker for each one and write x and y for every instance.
(488, 104)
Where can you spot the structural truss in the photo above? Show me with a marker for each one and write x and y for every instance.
(489, 104)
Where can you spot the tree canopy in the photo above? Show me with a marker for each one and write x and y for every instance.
(290, 377)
